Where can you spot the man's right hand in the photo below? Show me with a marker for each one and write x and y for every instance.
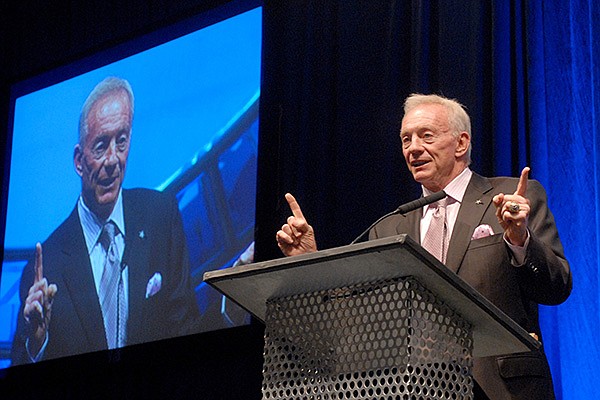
(296, 236)
(38, 305)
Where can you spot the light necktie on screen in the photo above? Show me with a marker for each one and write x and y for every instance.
(112, 290)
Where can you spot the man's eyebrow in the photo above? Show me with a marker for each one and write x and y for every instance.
(418, 130)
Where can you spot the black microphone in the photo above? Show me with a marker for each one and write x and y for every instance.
(405, 208)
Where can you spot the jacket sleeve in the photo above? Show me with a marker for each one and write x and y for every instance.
(546, 275)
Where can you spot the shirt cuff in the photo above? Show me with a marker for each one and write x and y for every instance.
(40, 353)
(518, 252)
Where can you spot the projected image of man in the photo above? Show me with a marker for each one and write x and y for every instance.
(116, 271)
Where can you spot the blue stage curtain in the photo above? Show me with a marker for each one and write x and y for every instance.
(548, 118)
(563, 103)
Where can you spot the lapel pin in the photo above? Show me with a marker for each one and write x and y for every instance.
(141, 234)
(479, 202)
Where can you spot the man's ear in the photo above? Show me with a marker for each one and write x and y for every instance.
(77, 159)
(464, 141)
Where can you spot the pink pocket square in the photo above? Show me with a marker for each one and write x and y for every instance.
(482, 231)
(153, 285)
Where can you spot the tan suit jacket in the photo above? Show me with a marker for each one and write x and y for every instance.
(545, 278)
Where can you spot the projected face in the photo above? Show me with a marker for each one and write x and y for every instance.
(101, 158)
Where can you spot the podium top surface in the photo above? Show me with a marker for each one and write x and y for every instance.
(252, 285)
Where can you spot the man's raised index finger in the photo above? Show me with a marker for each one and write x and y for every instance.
(294, 206)
(522, 186)
(39, 267)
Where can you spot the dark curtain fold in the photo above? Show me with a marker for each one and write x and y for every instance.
(336, 73)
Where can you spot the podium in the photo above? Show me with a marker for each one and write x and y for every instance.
(376, 320)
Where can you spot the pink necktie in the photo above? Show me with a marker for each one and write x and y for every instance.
(436, 240)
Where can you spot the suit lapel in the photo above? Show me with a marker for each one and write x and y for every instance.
(136, 258)
(476, 201)
(79, 281)
(411, 224)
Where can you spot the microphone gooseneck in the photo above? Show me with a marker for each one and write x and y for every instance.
(405, 208)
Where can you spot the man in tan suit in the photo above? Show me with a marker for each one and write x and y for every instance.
(498, 235)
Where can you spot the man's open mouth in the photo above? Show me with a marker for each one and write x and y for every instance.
(418, 163)
(107, 182)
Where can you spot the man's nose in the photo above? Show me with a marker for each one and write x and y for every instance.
(111, 154)
(415, 145)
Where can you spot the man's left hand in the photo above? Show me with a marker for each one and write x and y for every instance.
(513, 210)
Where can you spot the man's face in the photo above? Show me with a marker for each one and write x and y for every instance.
(432, 153)
(101, 159)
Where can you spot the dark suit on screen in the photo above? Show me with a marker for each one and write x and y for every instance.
(154, 243)
(485, 264)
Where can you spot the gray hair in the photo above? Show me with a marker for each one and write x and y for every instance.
(107, 85)
(458, 119)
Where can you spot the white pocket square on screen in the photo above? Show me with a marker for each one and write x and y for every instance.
(482, 231)
(153, 285)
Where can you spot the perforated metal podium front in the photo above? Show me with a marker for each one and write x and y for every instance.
(389, 339)
(410, 332)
